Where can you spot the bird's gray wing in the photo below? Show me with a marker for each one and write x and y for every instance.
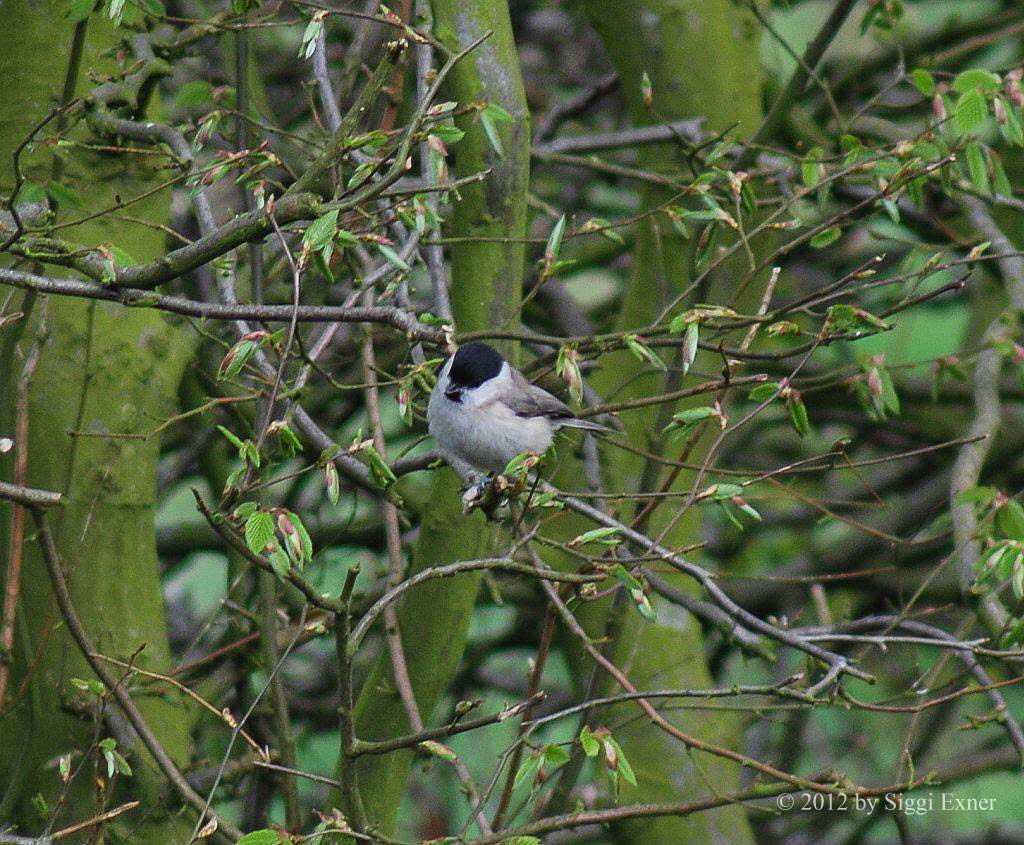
(528, 400)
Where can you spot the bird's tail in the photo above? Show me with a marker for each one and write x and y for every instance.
(576, 422)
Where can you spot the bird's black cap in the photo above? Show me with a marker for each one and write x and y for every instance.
(474, 364)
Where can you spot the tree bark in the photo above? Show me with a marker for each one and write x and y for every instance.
(701, 59)
(485, 293)
(107, 371)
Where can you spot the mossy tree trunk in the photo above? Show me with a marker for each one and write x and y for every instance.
(485, 293)
(105, 371)
(701, 58)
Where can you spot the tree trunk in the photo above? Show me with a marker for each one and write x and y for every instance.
(485, 293)
(701, 59)
(105, 370)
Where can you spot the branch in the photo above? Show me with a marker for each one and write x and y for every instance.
(838, 664)
(30, 497)
(690, 130)
(386, 746)
(798, 81)
(141, 298)
(987, 420)
(114, 686)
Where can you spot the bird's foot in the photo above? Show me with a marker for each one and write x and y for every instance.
(487, 495)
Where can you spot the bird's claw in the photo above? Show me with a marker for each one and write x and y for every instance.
(487, 495)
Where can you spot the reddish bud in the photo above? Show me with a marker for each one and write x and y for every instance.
(875, 382)
(999, 110)
(611, 756)
(290, 534)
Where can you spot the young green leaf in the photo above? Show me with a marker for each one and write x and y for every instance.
(266, 836)
(643, 352)
(554, 244)
(976, 78)
(489, 118)
(976, 168)
(321, 231)
(971, 109)
(606, 536)
(826, 237)
(923, 82)
(1009, 520)
(259, 531)
(798, 414)
(588, 742)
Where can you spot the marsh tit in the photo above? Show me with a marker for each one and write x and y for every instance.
(483, 412)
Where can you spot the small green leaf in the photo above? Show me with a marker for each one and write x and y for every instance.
(590, 744)
(529, 768)
(596, 535)
(647, 90)
(624, 768)
(976, 496)
(923, 82)
(1000, 181)
(439, 750)
(625, 577)
(489, 118)
(693, 415)
(690, 347)
(798, 414)
(826, 237)
(279, 560)
(977, 169)
(971, 109)
(975, 78)
(764, 392)
(554, 244)
(231, 437)
(393, 257)
(1009, 520)
(321, 231)
(448, 133)
(811, 167)
(305, 543)
(555, 755)
(89, 685)
(644, 352)
(244, 510)
(379, 470)
(259, 531)
(260, 837)
(889, 395)
(783, 328)
(1011, 129)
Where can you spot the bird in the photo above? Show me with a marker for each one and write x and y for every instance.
(483, 413)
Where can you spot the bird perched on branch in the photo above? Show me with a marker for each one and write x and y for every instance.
(483, 413)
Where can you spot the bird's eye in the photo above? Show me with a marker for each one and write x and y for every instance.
(454, 394)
